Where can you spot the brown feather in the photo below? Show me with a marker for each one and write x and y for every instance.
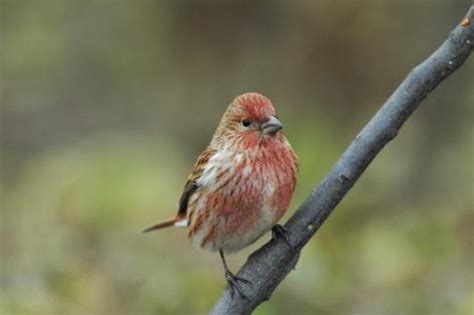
(190, 187)
(164, 224)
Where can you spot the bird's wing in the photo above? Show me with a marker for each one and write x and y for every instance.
(192, 185)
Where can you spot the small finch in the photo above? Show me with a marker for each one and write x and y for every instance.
(241, 185)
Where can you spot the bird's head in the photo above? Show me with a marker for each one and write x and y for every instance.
(249, 120)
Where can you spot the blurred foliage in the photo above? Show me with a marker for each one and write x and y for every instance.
(106, 104)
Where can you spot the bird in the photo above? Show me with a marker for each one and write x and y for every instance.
(241, 184)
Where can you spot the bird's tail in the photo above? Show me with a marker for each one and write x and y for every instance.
(174, 221)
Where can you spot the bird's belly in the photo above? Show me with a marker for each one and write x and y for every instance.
(233, 232)
(230, 224)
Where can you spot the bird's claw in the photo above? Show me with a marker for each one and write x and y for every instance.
(281, 231)
(232, 280)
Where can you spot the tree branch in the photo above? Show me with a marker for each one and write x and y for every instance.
(270, 264)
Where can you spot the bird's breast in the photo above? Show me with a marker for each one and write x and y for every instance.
(241, 195)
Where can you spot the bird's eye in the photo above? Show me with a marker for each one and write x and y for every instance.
(246, 122)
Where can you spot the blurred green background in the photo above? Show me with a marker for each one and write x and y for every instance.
(106, 104)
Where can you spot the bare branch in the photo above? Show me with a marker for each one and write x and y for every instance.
(270, 264)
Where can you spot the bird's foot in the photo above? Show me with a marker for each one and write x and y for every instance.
(232, 280)
(281, 231)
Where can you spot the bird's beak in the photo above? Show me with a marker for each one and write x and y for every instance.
(271, 126)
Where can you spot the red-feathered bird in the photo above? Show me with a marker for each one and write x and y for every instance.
(242, 184)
